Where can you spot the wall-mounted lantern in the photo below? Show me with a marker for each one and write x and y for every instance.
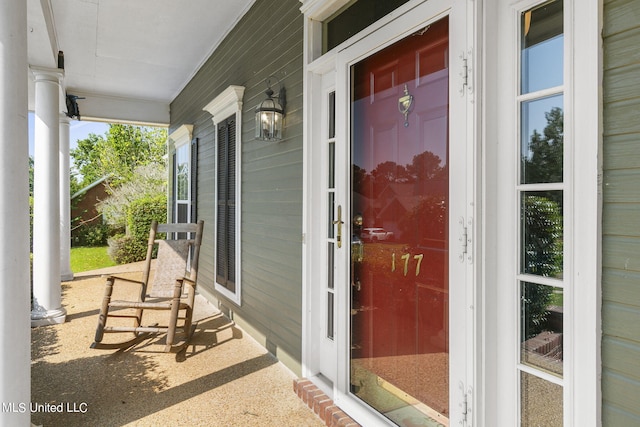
(270, 114)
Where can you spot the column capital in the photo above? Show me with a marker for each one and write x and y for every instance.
(47, 74)
(64, 119)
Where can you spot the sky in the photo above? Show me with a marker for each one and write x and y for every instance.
(78, 130)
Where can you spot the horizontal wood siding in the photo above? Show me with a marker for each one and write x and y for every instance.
(621, 215)
(267, 41)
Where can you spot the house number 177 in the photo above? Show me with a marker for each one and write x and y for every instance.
(406, 258)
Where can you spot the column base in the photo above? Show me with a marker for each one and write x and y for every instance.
(66, 276)
(49, 317)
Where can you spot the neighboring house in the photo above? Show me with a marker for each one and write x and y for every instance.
(512, 132)
(83, 207)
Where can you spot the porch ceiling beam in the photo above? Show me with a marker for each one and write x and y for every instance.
(115, 109)
(47, 12)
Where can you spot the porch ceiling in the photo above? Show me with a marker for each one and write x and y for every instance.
(130, 59)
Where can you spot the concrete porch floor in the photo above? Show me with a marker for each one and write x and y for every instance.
(224, 378)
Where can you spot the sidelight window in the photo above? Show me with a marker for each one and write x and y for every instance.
(541, 190)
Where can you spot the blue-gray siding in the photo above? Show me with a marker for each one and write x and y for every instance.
(267, 41)
(621, 215)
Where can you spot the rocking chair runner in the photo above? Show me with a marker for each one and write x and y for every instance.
(173, 289)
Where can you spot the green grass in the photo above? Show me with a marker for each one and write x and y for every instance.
(89, 258)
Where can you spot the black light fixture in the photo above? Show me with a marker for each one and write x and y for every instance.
(270, 113)
(72, 106)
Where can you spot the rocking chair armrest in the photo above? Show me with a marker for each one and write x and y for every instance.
(123, 279)
(190, 284)
(186, 279)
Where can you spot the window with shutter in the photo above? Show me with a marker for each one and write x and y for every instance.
(226, 113)
(183, 175)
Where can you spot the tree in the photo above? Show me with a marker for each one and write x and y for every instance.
(425, 166)
(543, 163)
(542, 236)
(118, 153)
(147, 182)
(86, 159)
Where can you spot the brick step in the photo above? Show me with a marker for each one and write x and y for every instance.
(321, 404)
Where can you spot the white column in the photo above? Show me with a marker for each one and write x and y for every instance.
(65, 202)
(15, 332)
(47, 296)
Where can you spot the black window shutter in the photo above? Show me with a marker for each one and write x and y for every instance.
(226, 209)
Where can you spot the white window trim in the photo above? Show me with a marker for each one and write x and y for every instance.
(583, 171)
(587, 192)
(228, 103)
(181, 137)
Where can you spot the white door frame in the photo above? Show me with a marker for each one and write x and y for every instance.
(492, 402)
(582, 216)
(404, 21)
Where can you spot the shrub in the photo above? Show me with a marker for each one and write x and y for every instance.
(142, 212)
(132, 247)
(124, 249)
(92, 235)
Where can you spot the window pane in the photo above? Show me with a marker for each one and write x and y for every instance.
(183, 213)
(542, 47)
(182, 173)
(541, 402)
(332, 165)
(542, 140)
(541, 216)
(330, 315)
(330, 265)
(332, 115)
(354, 17)
(331, 207)
(542, 327)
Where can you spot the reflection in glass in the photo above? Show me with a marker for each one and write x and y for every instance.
(355, 16)
(330, 265)
(331, 207)
(332, 115)
(330, 315)
(399, 270)
(541, 216)
(541, 327)
(542, 140)
(542, 47)
(183, 213)
(541, 402)
(182, 173)
(332, 165)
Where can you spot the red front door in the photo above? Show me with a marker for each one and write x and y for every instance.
(400, 203)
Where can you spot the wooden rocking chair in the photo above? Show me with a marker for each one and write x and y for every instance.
(172, 290)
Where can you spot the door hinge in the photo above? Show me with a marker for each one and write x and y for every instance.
(465, 407)
(465, 72)
(465, 240)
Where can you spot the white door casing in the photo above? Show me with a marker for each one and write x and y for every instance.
(328, 360)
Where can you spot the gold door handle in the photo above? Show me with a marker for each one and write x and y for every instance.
(339, 223)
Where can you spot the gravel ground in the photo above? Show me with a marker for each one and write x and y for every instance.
(224, 378)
